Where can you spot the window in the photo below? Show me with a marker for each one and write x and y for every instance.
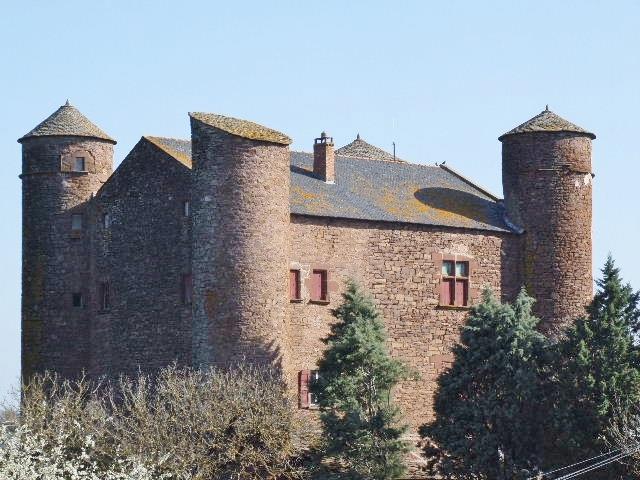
(76, 299)
(306, 378)
(76, 222)
(294, 285)
(105, 296)
(106, 220)
(186, 208)
(79, 164)
(187, 289)
(454, 286)
(319, 291)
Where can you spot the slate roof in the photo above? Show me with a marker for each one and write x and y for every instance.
(383, 191)
(547, 121)
(67, 121)
(361, 149)
(241, 128)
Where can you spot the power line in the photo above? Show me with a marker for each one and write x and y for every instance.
(576, 464)
(603, 463)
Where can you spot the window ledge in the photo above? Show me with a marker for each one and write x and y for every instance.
(296, 300)
(454, 307)
(320, 302)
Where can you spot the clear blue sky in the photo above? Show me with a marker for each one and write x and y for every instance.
(441, 79)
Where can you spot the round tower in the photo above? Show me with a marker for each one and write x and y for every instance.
(65, 160)
(547, 177)
(240, 255)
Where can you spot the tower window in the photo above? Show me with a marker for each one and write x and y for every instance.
(79, 164)
(105, 296)
(76, 299)
(76, 222)
(294, 285)
(187, 289)
(186, 208)
(319, 291)
(454, 284)
(106, 220)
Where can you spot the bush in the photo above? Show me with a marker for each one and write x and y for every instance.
(179, 424)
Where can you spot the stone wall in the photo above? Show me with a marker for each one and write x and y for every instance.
(55, 260)
(400, 266)
(240, 247)
(547, 187)
(143, 254)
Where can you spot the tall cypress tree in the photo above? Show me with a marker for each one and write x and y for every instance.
(488, 410)
(599, 371)
(356, 377)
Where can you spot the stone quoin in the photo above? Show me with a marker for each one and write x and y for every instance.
(230, 247)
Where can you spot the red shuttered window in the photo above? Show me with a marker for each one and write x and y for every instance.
(319, 291)
(294, 284)
(454, 284)
(306, 378)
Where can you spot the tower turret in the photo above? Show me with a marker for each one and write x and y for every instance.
(546, 177)
(240, 196)
(65, 159)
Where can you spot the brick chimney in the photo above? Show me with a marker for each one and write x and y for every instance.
(324, 160)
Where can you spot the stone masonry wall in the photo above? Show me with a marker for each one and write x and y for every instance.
(143, 255)
(240, 248)
(399, 265)
(55, 260)
(547, 187)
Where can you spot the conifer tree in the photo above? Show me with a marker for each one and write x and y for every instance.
(488, 409)
(356, 377)
(599, 374)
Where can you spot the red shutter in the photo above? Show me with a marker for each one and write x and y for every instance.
(462, 292)
(447, 291)
(323, 285)
(316, 285)
(303, 388)
(294, 284)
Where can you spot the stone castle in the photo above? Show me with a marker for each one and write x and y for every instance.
(230, 247)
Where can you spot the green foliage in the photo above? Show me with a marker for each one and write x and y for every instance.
(357, 375)
(598, 370)
(488, 410)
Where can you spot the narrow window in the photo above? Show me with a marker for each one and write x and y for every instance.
(187, 289)
(319, 286)
(186, 208)
(76, 222)
(294, 284)
(106, 220)
(105, 296)
(306, 378)
(79, 164)
(77, 299)
(454, 284)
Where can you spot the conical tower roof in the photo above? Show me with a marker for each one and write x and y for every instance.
(547, 121)
(361, 149)
(67, 121)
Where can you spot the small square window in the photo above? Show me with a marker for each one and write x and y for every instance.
(186, 208)
(76, 222)
(77, 300)
(106, 220)
(447, 268)
(79, 164)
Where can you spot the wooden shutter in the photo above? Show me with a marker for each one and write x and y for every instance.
(462, 292)
(303, 388)
(294, 284)
(323, 285)
(316, 285)
(447, 291)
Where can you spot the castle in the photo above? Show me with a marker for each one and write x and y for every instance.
(231, 247)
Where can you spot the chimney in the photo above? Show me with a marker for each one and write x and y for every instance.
(324, 160)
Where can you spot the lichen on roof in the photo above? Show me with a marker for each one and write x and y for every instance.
(67, 121)
(174, 147)
(363, 150)
(241, 128)
(547, 121)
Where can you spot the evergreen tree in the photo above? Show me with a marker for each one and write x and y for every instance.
(598, 375)
(488, 407)
(356, 376)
